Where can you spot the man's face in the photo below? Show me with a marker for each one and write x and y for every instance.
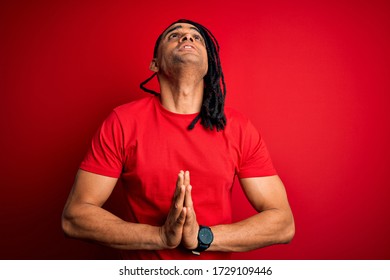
(181, 45)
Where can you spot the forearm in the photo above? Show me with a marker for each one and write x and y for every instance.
(263, 229)
(90, 222)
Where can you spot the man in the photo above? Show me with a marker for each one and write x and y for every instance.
(177, 214)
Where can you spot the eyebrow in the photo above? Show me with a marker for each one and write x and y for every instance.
(180, 26)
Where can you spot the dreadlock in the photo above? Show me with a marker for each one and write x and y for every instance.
(212, 110)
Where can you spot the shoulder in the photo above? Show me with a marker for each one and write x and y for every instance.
(136, 106)
(135, 110)
(239, 125)
(126, 119)
(235, 118)
(127, 115)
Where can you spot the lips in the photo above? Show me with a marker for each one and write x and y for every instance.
(187, 46)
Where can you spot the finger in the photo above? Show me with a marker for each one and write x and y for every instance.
(179, 184)
(178, 199)
(186, 178)
(188, 197)
(191, 215)
(182, 217)
(180, 180)
(189, 204)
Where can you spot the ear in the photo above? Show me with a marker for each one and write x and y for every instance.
(153, 65)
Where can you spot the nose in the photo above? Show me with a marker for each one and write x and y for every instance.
(186, 37)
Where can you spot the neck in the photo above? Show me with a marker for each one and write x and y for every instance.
(182, 93)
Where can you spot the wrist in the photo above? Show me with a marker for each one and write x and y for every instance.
(194, 244)
(204, 240)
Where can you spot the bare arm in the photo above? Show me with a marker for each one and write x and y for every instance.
(83, 217)
(272, 225)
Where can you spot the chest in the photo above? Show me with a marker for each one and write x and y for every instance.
(155, 157)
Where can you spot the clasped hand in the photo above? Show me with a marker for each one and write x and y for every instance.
(181, 226)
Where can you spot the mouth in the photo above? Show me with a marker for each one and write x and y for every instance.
(187, 47)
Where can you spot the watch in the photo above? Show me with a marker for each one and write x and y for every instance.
(205, 238)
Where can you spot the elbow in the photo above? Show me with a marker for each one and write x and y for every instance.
(288, 231)
(66, 225)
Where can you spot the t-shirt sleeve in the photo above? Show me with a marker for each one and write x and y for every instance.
(255, 159)
(105, 155)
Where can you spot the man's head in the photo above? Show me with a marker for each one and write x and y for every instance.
(212, 111)
(181, 45)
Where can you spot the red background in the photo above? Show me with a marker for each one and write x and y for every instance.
(313, 76)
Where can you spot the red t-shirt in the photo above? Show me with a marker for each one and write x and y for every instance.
(146, 146)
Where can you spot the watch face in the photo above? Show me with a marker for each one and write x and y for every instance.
(205, 235)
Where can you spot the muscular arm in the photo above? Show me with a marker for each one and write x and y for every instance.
(83, 217)
(273, 224)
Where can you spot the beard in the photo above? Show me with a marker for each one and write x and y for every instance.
(188, 60)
